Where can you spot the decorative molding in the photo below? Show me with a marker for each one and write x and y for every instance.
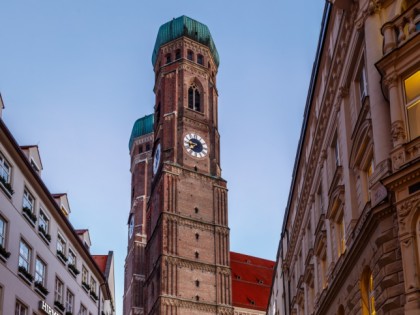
(390, 80)
(398, 131)
(405, 211)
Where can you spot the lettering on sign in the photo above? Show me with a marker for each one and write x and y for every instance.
(43, 306)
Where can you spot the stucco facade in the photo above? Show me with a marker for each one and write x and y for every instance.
(45, 264)
(350, 241)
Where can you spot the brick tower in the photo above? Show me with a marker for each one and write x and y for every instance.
(140, 145)
(185, 263)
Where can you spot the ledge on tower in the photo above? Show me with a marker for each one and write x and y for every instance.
(141, 127)
(185, 26)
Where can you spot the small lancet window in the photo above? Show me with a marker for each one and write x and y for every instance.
(200, 59)
(178, 54)
(194, 101)
(168, 58)
(190, 55)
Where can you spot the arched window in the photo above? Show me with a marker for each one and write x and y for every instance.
(194, 101)
(190, 55)
(367, 293)
(200, 59)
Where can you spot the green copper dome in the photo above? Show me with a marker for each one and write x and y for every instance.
(184, 26)
(141, 127)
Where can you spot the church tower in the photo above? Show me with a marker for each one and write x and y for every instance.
(184, 266)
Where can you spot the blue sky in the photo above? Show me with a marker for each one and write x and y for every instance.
(75, 75)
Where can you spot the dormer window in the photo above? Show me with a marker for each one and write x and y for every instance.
(194, 101)
(200, 59)
(190, 55)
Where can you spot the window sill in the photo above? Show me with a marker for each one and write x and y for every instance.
(93, 298)
(44, 238)
(29, 219)
(3, 258)
(6, 191)
(86, 289)
(72, 272)
(28, 281)
(40, 293)
(58, 309)
(63, 261)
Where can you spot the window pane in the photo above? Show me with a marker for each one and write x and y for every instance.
(414, 119)
(190, 97)
(412, 87)
(2, 232)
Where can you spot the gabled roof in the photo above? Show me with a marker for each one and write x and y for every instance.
(251, 281)
(101, 261)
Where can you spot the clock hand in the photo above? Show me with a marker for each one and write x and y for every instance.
(192, 144)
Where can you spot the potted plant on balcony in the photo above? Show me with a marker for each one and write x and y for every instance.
(93, 295)
(6, 186)
(25, 273)
(62, 256)
(4, 253)
(44, 233)
(40, 287)
(73, 269)
(59, 306)
(85, 286)
(29, 214)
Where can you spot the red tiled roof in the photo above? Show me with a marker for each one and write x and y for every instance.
(80, 231)
(251, 281)
(101, 261)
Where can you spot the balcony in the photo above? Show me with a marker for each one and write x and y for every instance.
(401, 29)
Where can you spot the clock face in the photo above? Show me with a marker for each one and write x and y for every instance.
(195, 145)
(131, 227)
(156, 159)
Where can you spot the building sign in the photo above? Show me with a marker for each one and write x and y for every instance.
(43, 306)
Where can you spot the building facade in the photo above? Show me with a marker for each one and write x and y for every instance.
(350, 241)
(178, 252)
(45, 264)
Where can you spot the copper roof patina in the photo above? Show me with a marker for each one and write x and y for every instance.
(141, 127)
(185, 26)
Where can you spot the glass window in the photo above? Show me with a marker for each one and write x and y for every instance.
(61, 244)
(28, 200)
(58, 293)
(24, 255)
(83, 310)
(168, 58)
(5, 169)
(92, 285)
(194, 98)
(20, 308)
(85, 278)
(43, 222)
(362, 83)
(200, 59)
(72, 258)
(412, 98)
(40, 271)
(69, 301)
(190, 55)
(367, 293)
(3, 226)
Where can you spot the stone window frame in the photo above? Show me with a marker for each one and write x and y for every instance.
(4, 163)
(28, 200)
(23, 261)
(367, 292)
(69, 302)
(4, 231)
(21, 308)
(415, 102)
(59, 290)
(40, 277)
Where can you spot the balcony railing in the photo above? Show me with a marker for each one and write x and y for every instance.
(401, 29)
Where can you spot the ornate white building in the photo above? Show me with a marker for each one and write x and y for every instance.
(350, 241)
